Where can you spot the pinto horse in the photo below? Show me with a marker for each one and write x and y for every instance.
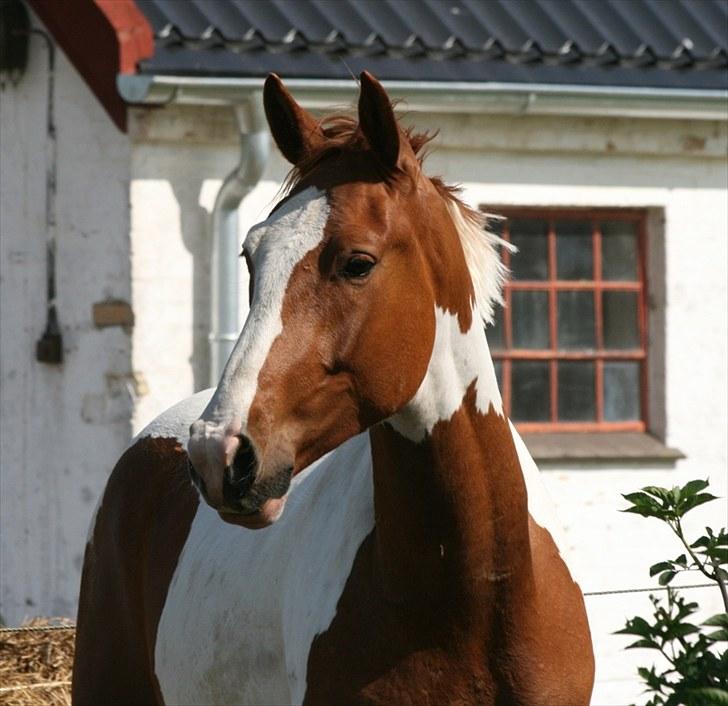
(403, 558)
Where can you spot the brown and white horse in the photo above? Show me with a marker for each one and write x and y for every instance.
(358, 421)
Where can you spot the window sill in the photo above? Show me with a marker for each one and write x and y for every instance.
(604, 446)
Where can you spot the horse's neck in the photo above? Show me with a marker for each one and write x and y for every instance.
(450, 499)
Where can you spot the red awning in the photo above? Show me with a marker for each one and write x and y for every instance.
(101, 38)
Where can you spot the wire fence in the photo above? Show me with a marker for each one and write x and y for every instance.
(645, 590)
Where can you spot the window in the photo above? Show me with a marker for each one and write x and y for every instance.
(570, 345)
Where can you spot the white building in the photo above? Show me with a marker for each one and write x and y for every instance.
(596, 132)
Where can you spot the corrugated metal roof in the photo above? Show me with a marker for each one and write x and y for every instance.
(662, 43)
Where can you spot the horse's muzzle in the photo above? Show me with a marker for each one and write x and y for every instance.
(268, 513)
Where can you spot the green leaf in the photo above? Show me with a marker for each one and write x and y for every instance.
(636, 626)
(659, 567)
(666, 577)
(718, 553)
(645, 644)
(708, 696)
(683, 629)
(719, 620)
(656, 491)
(643, 505)
(697, 500)
(694, 486)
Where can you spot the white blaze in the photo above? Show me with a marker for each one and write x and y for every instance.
(275, 247)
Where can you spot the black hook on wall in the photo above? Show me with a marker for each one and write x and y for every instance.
(15, 32)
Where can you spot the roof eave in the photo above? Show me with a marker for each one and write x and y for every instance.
(444, 97)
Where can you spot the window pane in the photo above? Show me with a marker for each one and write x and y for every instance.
(576, 391)
(494, 224)
(531, 260)
(574, 250)
(494, 331)
(619, 310)
(575, 320)
(621, 391)
(498, 365)
(530, 319)
(619, 251)
(530, 391)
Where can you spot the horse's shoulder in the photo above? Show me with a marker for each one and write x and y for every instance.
(136, 536)
(174, 423)
(151, 473)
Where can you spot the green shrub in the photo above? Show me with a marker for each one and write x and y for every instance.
(697, 674)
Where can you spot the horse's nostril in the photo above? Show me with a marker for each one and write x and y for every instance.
(239, 476)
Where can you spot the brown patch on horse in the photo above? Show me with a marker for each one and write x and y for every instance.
(446, 603)
(141, 527)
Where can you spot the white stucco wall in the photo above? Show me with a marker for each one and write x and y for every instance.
(61, 427)
(676, 169)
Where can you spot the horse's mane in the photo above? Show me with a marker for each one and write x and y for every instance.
(480, 246)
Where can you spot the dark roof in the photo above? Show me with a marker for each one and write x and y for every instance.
(660, 43)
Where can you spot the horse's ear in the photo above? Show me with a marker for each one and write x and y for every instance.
(377, 121)
(295, 130)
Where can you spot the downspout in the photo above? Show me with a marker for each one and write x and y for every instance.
(254, 151)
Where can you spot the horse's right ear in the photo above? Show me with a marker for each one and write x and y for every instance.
(295, 130)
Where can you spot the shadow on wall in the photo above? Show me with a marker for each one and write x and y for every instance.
(195, 223)
(179, 183)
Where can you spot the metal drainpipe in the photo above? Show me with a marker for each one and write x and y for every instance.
(254, 151)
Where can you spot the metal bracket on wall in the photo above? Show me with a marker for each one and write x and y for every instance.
(14, 34)
(49, 347)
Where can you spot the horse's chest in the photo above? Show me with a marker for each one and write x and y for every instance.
(377, 653)
(244, 607)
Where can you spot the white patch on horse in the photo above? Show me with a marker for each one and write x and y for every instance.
(244, 607)
(174, 423)
(456, 361)
(540, 505)
(275, 247)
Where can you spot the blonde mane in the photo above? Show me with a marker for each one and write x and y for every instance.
(482, 255)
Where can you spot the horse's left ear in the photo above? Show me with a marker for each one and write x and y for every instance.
(295, 131)
(377, 121)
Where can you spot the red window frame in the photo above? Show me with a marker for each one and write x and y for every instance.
(553, 285)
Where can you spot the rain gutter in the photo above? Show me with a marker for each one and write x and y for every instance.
(447, 97)
(254, 151)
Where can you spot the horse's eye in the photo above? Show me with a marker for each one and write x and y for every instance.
(358, 266)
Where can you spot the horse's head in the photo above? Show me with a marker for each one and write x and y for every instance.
(348, 274)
